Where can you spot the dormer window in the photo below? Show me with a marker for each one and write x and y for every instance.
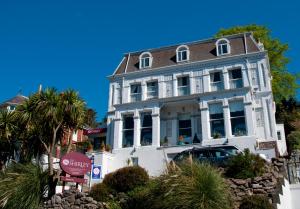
(182, 53)
(223, 47)
(145, 60)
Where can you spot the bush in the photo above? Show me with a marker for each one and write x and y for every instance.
(255, 202)
(245, 165)
(22, 186)
(191, 186)
(126, 179)
(100, 192)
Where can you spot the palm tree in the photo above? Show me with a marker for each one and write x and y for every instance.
(7, 129)
(74, 114)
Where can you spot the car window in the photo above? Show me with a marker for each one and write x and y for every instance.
(200, 154)
(218, 153)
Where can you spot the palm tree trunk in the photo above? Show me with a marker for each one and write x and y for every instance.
(70, 140)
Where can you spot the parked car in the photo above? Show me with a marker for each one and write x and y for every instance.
(217, 155)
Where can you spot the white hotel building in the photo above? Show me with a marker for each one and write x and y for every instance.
(165, 100)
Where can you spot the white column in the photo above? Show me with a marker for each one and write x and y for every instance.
(227, 122)
(155, 127)
(206, 82)
(192, 83)
(161, 89)
(174, 131)
(205, 122)
(226, 79)
(266, 119)
(126, 94)
(245, 77)
(144, 90)
(249, 118)
(118, 127)
(137, 130)
(175, 92)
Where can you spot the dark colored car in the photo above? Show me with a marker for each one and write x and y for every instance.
(218, 155)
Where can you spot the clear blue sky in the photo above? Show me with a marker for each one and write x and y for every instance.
(76, 44)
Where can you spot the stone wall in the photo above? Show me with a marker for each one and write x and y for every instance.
(269, 184)
(72, 199)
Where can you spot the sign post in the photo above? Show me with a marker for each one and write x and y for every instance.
(75, 165)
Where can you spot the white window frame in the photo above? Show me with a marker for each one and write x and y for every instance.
(135, 94)
(218, 85)
(143, 57)
(152, 91)
(186, 86)
(219, 46)
(180, 50)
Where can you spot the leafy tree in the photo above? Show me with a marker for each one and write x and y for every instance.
(284, 83)
(90, 118)
(294, 141)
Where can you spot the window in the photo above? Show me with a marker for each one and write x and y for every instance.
(236, 79)
(237, 118)
(216, 120)
(216, 82)
(128, 128)
(135, 92)
(145, 60)
(146, 129)
(182, 53)
(278, 135)
(183, 86)
(185, 127)
(223, 47)
(152, 91)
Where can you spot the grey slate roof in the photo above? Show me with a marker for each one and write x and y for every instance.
(199, 51)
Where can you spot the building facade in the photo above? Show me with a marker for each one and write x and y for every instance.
(210, 92)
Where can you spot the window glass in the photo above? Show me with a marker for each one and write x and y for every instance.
(135, 90)
(216, 120)
(183, 86)
(152, 90)
(215, 77)
(278, 135)
(128, 126)
(146, 129)
(235, 74)
(237, 117)
(185, 127)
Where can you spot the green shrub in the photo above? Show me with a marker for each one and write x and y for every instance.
(245, 165)
(100, 192)
(255, 202)
(191, 186)
(126, 179)
(22, 186)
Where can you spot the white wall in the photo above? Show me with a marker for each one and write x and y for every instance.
(285, 197)
(295, 195)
